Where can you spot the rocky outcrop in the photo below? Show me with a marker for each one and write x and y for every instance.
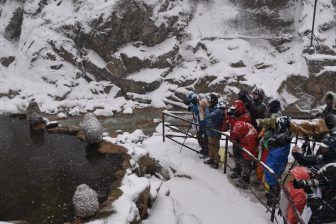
(303, 94)
(131, 21)
(85, 201)
(93, 130)
(13, 29)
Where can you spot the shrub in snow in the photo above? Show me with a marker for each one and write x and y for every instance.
(85, 201)
(93, 130)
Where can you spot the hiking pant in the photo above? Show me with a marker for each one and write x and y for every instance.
(202, 139)
(238, 159)
(246, 170)
(213, 146)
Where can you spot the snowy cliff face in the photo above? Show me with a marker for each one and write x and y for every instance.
(111, 55)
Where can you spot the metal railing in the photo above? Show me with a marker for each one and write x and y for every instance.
(226, 137)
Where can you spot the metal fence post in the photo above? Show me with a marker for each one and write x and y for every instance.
(226, 153)
(275, 200)
(163, 127)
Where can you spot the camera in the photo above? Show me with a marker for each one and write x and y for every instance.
(298, 184)
(232, 112)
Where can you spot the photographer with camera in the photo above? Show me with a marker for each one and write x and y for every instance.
(192, 101)
(325, 154)
(254, 104)
(321, 191)
(238, 114)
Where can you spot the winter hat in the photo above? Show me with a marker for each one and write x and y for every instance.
(213, 99)
(330, 121)
(260, 92)
(300, 173)
(274, 106)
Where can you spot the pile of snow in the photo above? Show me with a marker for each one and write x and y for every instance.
(204, 196)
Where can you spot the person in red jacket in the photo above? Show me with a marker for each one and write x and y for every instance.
(246, 136)
(298, 196)
(237, 112)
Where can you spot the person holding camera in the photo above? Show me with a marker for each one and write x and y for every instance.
(236, 113)
(254, 104)
(298, 196)
(211, 118)
(279, 147)
(325, 154)
(192, 101)
(247, 137)
(267, 126)
(322, 205)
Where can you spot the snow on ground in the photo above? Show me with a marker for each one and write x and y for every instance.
(195, 194)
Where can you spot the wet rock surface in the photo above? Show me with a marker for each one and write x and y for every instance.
(40, 173)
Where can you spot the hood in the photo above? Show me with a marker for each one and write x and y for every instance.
(300, 173)
(240, 107)
(333, 96)
(260, 93)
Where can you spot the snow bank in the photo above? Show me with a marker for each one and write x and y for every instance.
(207, 197)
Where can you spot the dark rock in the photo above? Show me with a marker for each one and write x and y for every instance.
(116, 68)
(261, 66)
(143, 203)
(13, 29)
(6, 61)
(309, 91)
(56, 67)
(34, 116)
(315, 65)
(238, 64)
(148, 165)
(68, 130)
(131, 21)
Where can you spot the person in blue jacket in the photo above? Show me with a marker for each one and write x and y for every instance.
(279, 148)
(192, 101)
(212, 117)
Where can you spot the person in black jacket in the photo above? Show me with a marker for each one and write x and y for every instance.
(254, 104)
(323, 207)
(326, 153)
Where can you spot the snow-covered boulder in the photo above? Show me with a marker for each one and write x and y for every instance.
(93, 130)
(85, 201)
(34, 116)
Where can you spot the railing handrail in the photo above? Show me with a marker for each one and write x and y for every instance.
(265, 166)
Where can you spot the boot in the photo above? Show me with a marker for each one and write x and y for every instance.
(209, 162)
(242, 184)
(215, 166)
(236, 172)
(271, 196)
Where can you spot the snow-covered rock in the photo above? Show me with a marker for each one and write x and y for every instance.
(34, 116)
(93, 130)
(85, 201)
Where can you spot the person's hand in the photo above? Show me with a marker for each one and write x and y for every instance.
(296, 149)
